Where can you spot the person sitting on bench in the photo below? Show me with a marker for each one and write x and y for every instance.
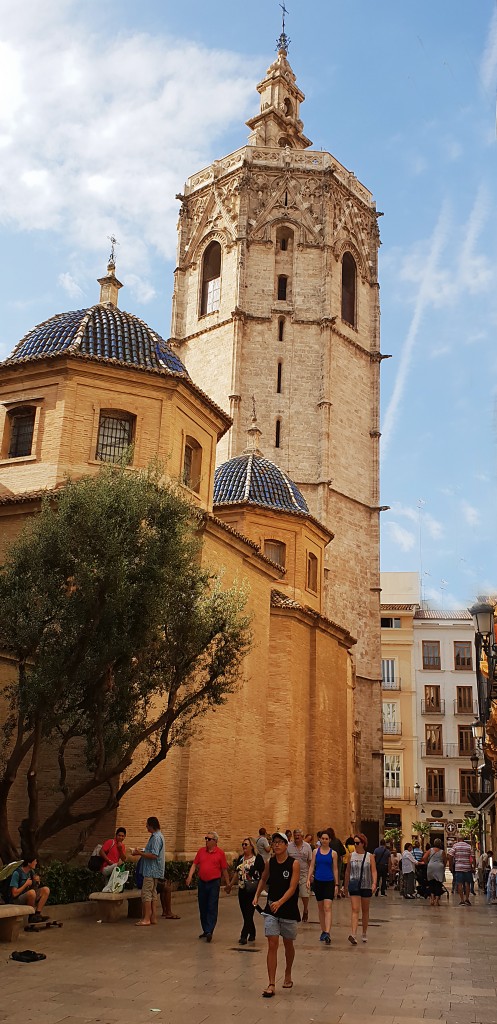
(26, 889)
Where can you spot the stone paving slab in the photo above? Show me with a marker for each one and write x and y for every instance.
(435, 966)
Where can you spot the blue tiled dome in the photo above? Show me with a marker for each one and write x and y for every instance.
(250, 479)
(100, 332)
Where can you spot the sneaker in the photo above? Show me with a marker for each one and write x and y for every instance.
(364, 938)
(353, 940)
(242, 941)
(468, 904)
(208, 937)
(327, 939)
(321, 937)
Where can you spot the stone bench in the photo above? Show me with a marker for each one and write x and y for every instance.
(110, 905)
(12, 915)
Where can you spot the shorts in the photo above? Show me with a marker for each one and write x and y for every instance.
(324, 890)
(22, 900)
(365, 894)
(279, 926)
(303, 890)
(149, 888)
(463, 877)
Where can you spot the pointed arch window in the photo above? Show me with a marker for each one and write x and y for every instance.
(349, 281)
(211, 279)
(312, 573)
(281, 328)
(279, 375)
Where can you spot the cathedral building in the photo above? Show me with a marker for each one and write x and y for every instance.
(276, 297)
(263, 406)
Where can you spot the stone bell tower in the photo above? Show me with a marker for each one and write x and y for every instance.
(276, 296)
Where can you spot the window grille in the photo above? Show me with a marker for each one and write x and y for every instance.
(22, 423)
(115, 435)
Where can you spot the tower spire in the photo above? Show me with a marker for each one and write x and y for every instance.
(254, 434)
(109, 285)
(283, 41)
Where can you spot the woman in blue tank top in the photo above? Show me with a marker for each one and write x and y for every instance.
(324, 872)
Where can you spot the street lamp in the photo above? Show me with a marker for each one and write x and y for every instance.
(483, 618)
(478, 730)
(474, 764)
(417, 788)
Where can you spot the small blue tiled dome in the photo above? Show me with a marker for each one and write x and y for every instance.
(100, 332)
(250, 479)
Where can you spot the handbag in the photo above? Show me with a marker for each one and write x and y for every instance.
(355, 883)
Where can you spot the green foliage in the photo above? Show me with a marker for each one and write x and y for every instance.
(70, 884)
(422, 828)
(393, 835)
(470, 828)
(122, 640)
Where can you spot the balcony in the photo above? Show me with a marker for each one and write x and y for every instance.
(444, 750)
(428, 708)
(392, 728)
(448, 796)
(397, 793)
(465, 709)
(391, 684)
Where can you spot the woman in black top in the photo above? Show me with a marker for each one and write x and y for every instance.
(249, 868)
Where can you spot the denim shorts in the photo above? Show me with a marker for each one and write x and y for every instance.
(278, 926)
(463, 877)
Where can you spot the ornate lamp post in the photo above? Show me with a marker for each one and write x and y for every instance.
(483, 618)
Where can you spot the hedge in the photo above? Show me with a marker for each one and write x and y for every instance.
(71, 884)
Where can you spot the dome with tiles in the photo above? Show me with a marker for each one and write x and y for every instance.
(101, 332)
(250, 479)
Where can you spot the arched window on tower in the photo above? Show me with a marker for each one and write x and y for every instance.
(277, 437)
(281, 328)
(287, 104)
(278, 378)
(282, 287)
(284, 238)
(192, 463)
(211, 279)
(349, 277)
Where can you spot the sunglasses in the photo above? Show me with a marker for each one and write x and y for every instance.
(209, 839)
(245, 844)
(357, 842)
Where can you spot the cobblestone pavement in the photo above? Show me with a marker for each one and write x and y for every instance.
(433, 965)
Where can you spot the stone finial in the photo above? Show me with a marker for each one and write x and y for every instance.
(254, 434)
(109, 286)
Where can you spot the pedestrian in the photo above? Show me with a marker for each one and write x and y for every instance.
(360, 881)
(302, 852)
(309, 838)
(349, 848)
(280, 877)
(382, 858)
(113, 852)
(165, 892)
(461, 862)
(211, 863)
(249, 868)
(417, 851)
(435, 860)
(27, 891)
(408, 872)
(323, 870)
(393, 868)
(288, 833)
(263, 846)
(337, 845)
(153, 862)
(481, 870)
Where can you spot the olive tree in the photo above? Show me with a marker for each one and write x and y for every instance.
(118, 640)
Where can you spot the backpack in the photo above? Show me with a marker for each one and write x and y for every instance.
(95, 862)
(5, 876)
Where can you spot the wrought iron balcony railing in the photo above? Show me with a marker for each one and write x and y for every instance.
(429, 707)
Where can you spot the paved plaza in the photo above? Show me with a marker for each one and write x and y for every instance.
(419, 964)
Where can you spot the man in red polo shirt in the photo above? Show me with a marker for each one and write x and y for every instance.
(211, 863)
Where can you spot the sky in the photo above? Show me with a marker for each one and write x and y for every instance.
(106, 109)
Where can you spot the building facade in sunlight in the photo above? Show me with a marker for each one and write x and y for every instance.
(276, 299)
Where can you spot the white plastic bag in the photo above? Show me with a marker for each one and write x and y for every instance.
(117, 880)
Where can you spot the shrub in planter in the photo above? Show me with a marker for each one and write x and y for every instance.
(70, 884)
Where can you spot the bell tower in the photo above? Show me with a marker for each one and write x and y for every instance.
(276, 295)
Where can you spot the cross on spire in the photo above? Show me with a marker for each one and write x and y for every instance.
(283, 42)
(113, 241)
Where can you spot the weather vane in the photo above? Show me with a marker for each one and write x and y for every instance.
(283, 42)
(113, 241)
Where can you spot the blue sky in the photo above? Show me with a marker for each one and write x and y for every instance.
(106, 109)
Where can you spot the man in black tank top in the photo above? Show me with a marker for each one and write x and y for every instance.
(281, 915)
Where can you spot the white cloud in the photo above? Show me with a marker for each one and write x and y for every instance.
(423, 298)
(70, 286)
(470, 513)
(431, 525)
(488, 67)
(98, 139)
(437, 353)
(399, 535)
(441, 598)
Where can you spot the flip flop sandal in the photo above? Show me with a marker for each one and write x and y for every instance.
(268, 992)
(287, 984)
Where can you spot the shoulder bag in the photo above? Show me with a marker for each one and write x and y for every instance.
(355, 883)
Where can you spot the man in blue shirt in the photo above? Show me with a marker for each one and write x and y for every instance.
(25, 889)
(153, 857)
